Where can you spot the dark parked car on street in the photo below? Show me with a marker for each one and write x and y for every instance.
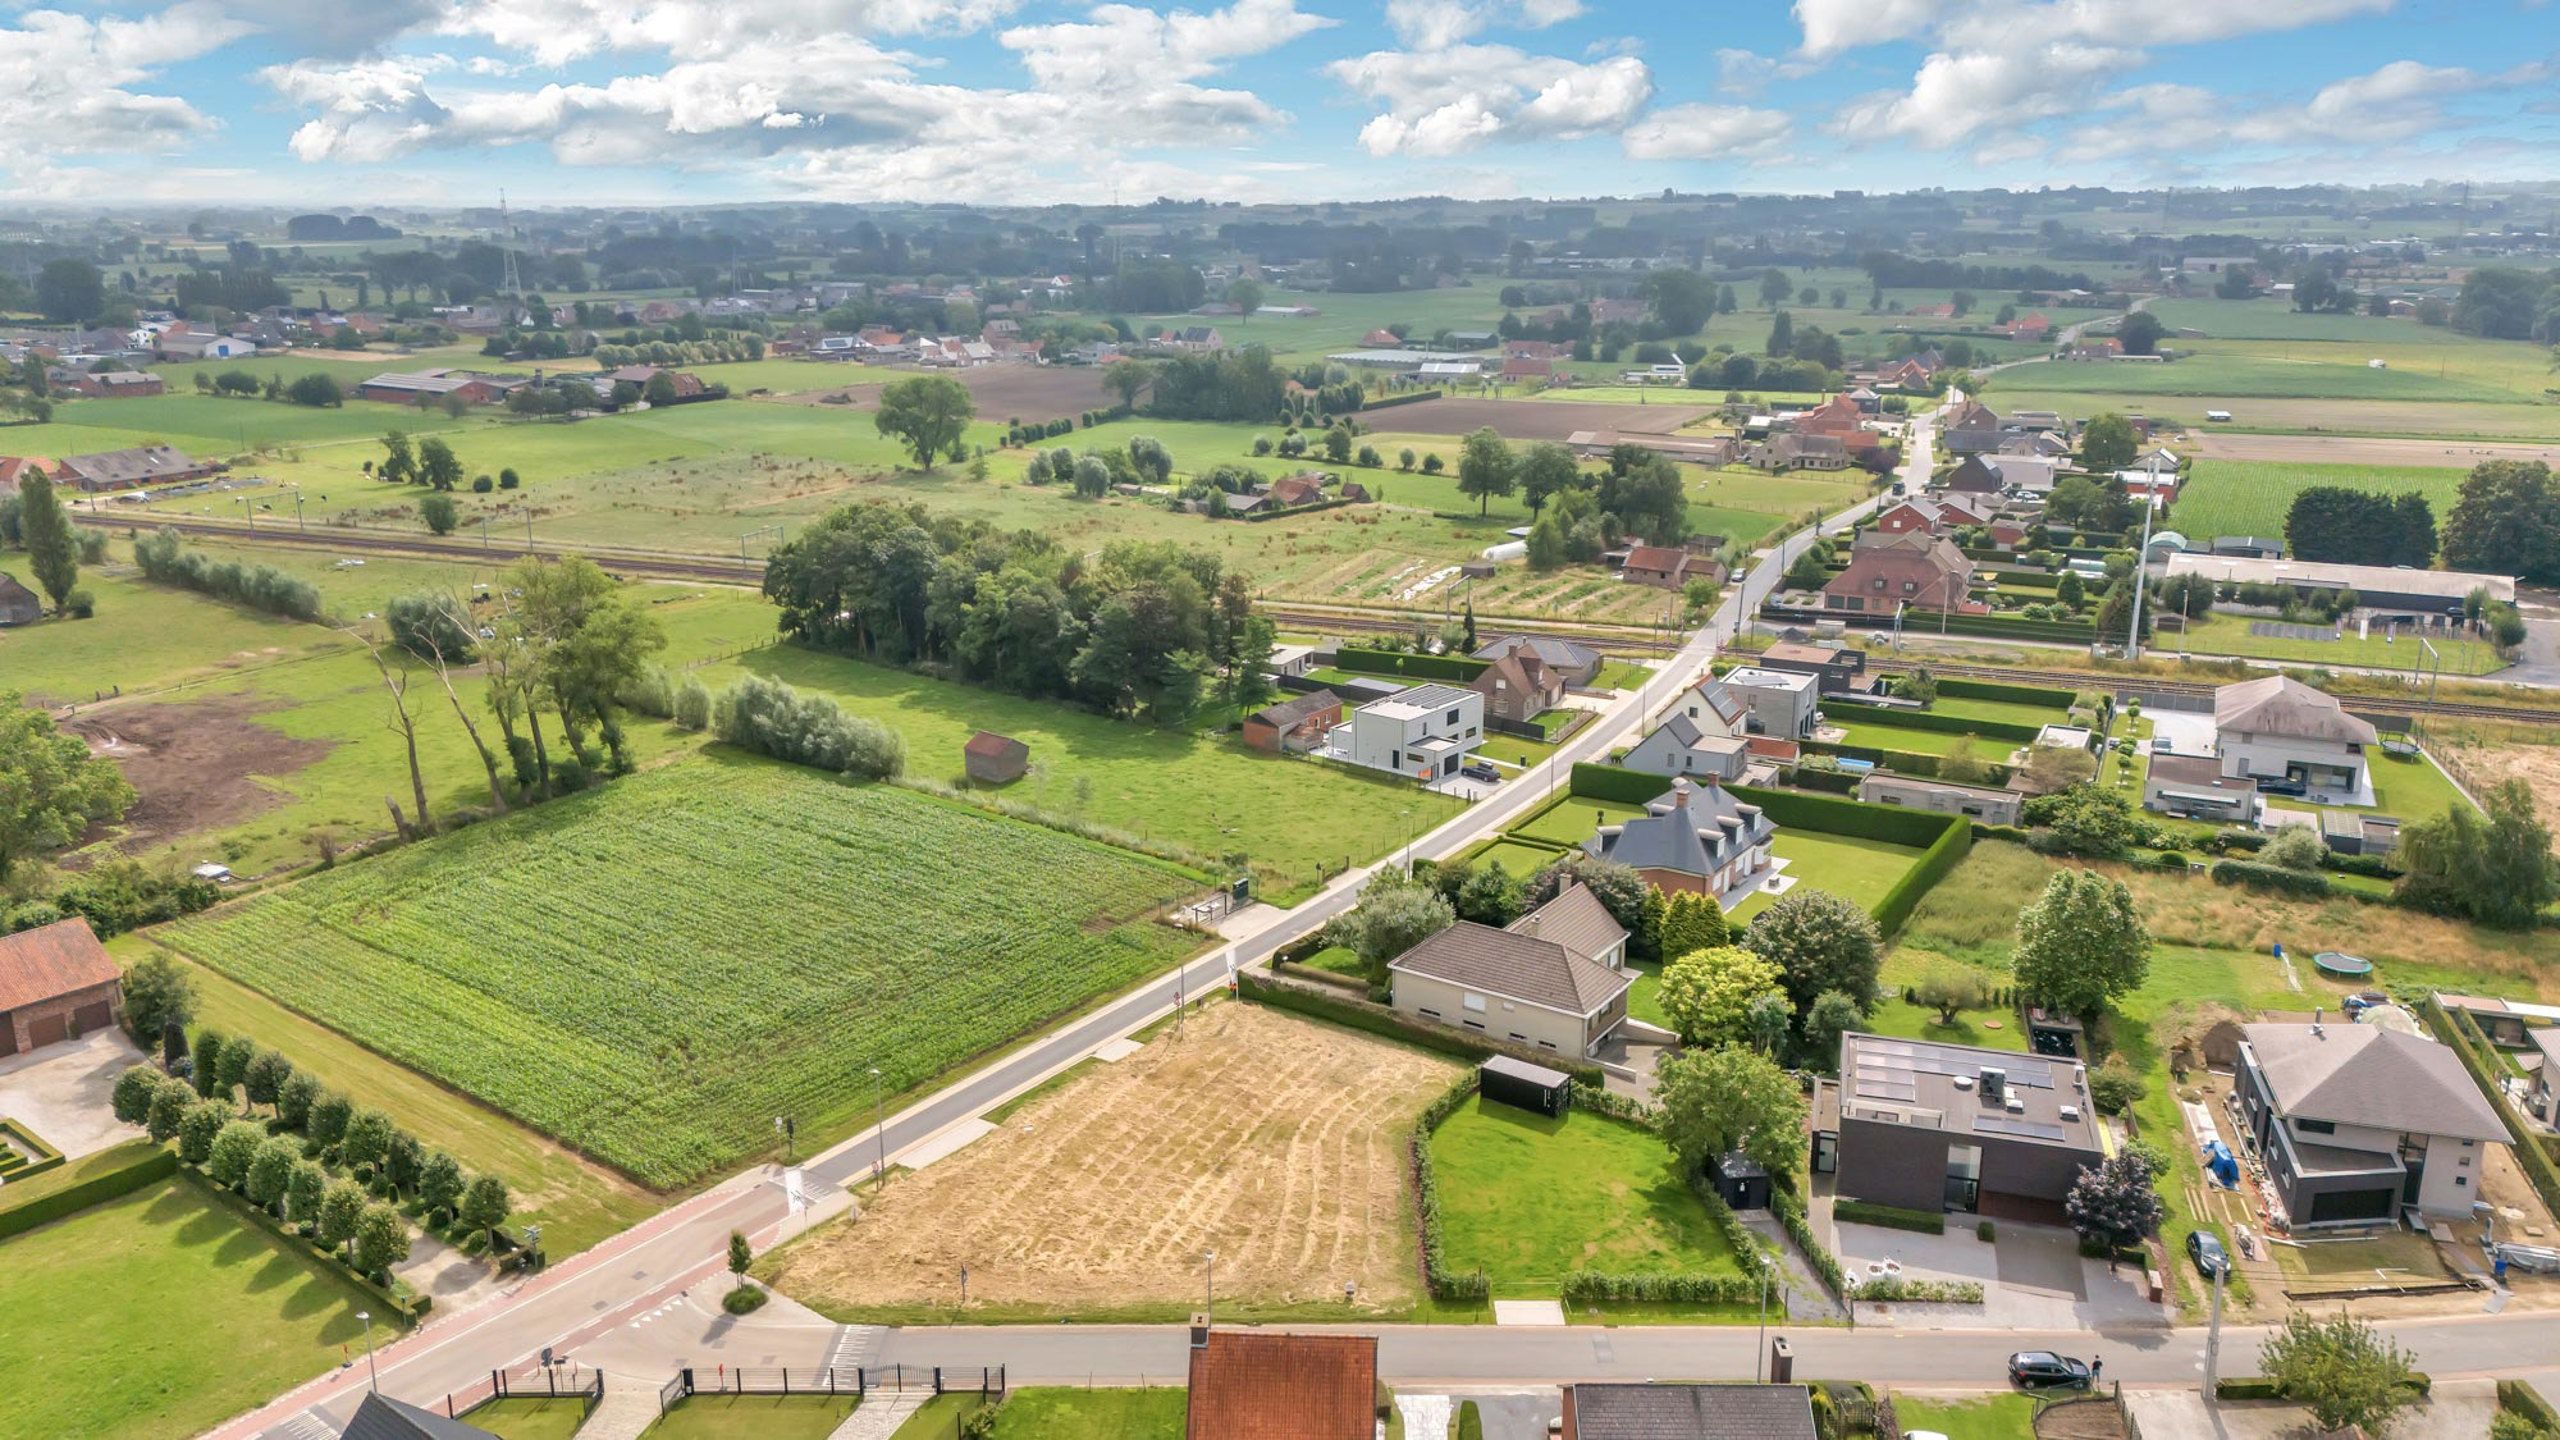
(2042, 1369)
(2208, 1254)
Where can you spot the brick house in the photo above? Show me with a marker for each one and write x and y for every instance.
(1700, 839)
(1665, 567)
(1913, 516)
(1295, 724)
(1518, 685)
(110, 384)
(993, 759)
(1972, 476)
(1924, 572)
(1255, 1385)
(1974, 429)
(55, 982)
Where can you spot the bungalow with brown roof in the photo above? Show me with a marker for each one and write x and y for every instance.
(1887, 572)
(1256, 1385)
(1295, 725)
(56, 982)
(1301, 489)
(18, 604)
(1381, 340)
(1555, 980)
(993, 759)
(1971, 476)
(1665, 567)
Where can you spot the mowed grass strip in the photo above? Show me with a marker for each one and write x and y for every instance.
(1529, 1200)
(654, 971)
(763, 1417)
(159, 1314)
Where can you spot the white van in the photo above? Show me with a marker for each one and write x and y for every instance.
(2218, 417)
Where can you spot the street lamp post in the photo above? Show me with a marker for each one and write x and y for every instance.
(1760, 1357)
(1209, 1307)
(372, 1380)
(879, 1132)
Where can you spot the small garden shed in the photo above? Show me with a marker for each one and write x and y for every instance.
(993, 759)
(1740, 1180)
(1526, 1086)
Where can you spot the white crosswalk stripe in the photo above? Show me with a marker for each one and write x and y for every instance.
(856, 1346)
(306, 1426)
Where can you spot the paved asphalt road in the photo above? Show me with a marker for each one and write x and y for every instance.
(633, 1283)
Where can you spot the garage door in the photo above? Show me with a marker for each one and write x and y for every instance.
(8, 1035)
(2352, 1205)
(94, 1018)
(46, 1031)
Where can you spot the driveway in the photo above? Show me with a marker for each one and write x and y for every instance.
(63, 1092)
(2032, 1278)
(1510, 1414)
(2456, 1410)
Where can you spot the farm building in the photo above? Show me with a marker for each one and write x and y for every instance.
(55, 982)
(125, 469)
(411, 388)
(1296, 724)
(993, 759)
(1702, 449)
(1281, 1387)
(18, 604)
(2383, 589)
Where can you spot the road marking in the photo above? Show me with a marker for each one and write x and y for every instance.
(856, 1347)
(306, 1426)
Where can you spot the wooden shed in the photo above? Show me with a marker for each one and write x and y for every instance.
(993, 759)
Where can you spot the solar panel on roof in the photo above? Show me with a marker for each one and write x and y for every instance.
(1885, 1090)
(2024, 1129)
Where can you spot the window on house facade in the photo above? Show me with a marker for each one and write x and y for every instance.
(2315, 1127)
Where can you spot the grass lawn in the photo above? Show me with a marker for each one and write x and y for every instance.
(2410, 788)
(1529, 1200)
(1571, 818)
(1849, 866)
(1644, 1002)
(1623, 675)
(1336, 960)
(2010, 712)
(159, 1314)
(146, 637)
(1521, 860)
(849, 926)
(1899, 1017)
(2002, 1417)
(1296, 820)
(939, 1419)
(1062, 1413)
(2395, 1256)
(2226, 633)
(753, 1417)
(574, 1200)
(540, 1419)
(1878, 736)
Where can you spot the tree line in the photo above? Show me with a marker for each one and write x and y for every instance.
(1150, 629)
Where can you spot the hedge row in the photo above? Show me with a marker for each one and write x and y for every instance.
(1784, 1203)
(1379, 1020)
(1592, 1286)
(1882, 1288)
(1436, 1275)
(91, 1180)
(40, 1156)
(402, 1301)
(1896, 718)
(1902, 762)
(1893, 824)
(2464, 1036)
(1389, 402)
(1960, 689)
(2519, 1398)
(2273, 878)
(1460, 668)
(1954, 842)
(2258, 1387)
(1892, 1217)
(1336, 502)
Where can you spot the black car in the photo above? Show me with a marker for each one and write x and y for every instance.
(1481, 771)
(2042, 1369)
(2208, 1254)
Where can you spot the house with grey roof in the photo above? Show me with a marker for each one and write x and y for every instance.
(1927, 1126)
(1555, 980)
(1718, 1410)
(1579, 664)
(1682, 746)
(1699, 838)
(2292, 740)
(2357, 1124)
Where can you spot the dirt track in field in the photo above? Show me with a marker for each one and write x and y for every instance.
(194, 766)
(2364, 450)
(1530, 419)
(1276, 1142)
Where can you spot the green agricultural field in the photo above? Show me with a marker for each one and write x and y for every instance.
(184, 1316)
(1295, 820)
(746, 939)
(2239, 374)
(2423, 418)
(1296, 340)
(1529, 1200)
(575, 1201)
(2278, 320)
(2252, 497)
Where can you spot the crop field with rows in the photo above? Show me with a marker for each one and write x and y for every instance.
(654, 971)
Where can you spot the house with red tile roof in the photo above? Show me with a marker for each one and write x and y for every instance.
(1257, 1385)
(1886, 572)
(55, 982)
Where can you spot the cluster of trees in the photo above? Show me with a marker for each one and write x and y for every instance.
(1137, 629)
(2359, 527)
(2493, 867)
(770, 718)
(1577, 512)
(717, 349)
(2506, 521)
(431, 462)
(317, 390)
(206, 1102)
(928, 414)
(1738, 371)
(2506, 302)
(1241, 383)
(51, 788)
(163, 557)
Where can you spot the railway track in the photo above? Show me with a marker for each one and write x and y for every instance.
(1294, 617)
(640, 564)
(2084, 679)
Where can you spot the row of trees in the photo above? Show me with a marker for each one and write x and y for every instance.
(318, 390)
(2360, 527)
(1139, 628)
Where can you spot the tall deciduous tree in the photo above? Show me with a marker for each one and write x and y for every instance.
(2081, 943)
(1485, 468)
(399, 463)
(2116, 1201)
(2495, 868)
(2506, 521)
(438, 466)
(1708, 993)
(1245, 293)
(2107, 444)
(382, 1240)
(1819, 942)
(928, 413)
(156, 993)
(1730, 1098)
(53, 552)
(485, 1203)
(51, 788)
(1394, 915)
(2343, 1370)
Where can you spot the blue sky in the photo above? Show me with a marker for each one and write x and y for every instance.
(336, 102)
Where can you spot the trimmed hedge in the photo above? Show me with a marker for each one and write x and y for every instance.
(1892, 1217)
(1883, 1289)
(1946, 852)
(1961, 689)
(1436, 1275)
(1458, 668)
(41, 1157)
(1789, 1208)
(1891, 716)
(90, 1180)
(2258, 1387)
(1389, 402)
(2272, 878)
(1591, 1286)
(1379, 1020)
(2520, 1398)
(2472, 1048)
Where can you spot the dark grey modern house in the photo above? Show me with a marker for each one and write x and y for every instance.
(2357, 1124)
(1925, 1126)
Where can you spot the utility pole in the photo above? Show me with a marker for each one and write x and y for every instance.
(879, 1134)
(2213, 1335)
(2141, 559)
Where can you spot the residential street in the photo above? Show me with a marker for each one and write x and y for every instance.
(645, 1269)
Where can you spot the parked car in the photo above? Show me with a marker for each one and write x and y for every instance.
(1481, 771)
(2208, 1254)
(2042, 1369)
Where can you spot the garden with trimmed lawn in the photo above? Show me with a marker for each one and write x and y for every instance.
(1998, 1417)
(185, 1316)
(1529, 1199)
(1057, 1412)
(536, 1418)
(752, 1417)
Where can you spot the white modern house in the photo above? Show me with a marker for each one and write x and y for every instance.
(2290, 739)
(2357, 1123)
(1781, 702)
(1426, 733)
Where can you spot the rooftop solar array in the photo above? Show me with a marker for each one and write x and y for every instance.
(1888, 1059)
(2024, 1129)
